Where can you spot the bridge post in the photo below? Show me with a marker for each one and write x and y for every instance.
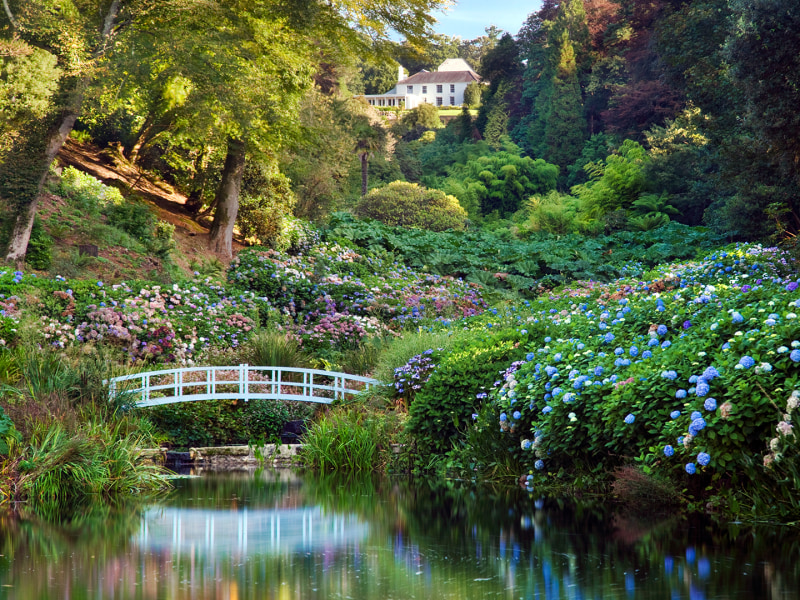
(243, 387)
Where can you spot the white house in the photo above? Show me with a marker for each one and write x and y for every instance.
(444, 87)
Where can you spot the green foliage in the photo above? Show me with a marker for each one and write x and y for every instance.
(40, 247)
(64, 470)
(564, 127)
(495, 132)
(214, 423)
(397, 351)
(502, 181)
(531, 265)
(765, 66)
(595, 150)
(424, 116)
(128, 219)
(7, 431)
(411, 205)
(472, 94)
(553, 213)
(28, 79)
(349, 440)
(275, 349)
(455, 390)
(615, 184)
(263, 212)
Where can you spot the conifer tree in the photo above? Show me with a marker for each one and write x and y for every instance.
(565, 127)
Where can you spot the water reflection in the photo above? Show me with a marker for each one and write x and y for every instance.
(273, 535)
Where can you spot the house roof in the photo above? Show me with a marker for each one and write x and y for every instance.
(455, 64)
(441, 77)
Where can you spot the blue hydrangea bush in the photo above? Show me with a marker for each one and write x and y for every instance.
(692, 369)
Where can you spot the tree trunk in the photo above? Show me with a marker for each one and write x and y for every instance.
(27, 182)
(227, 199)
(364, 172)
(23, 178)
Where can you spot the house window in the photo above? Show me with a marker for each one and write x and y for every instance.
(452, 100)
(438, 89)
(438, 101)
(410, 89)
(452, 88)
(424, 89)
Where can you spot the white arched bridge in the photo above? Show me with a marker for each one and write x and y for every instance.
(241, 382)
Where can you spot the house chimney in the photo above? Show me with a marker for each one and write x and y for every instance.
(401, 74)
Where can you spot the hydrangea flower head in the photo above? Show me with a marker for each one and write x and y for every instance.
(697, 426)
(668, 450)
(691, 469)
(710, 404)
(737, 317)
(702, 389)
(680, 394)
(661, 329)
(675, 414)
(703, 459)
(795, 355)
(630, 418)
(747, 362)
(539, 464)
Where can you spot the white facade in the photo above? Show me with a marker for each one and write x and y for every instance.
(444, 87)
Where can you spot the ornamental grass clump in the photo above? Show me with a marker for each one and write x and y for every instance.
(349, 440)
(65, 470)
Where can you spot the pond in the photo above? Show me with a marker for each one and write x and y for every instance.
(279, 535)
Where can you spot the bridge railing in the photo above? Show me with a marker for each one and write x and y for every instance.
(242, 382)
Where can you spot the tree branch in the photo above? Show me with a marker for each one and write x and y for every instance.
(10, 16)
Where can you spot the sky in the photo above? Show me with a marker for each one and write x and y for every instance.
(469, 18)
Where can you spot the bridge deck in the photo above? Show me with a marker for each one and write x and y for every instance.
(241, 382)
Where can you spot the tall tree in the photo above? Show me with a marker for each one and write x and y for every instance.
(764, 53)
(78, 34)
(238, 38)
(370, 138)
(565, 127)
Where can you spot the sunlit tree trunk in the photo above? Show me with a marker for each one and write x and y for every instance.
(227, 199)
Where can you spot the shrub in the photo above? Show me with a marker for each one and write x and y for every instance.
(688, 371)
(424, 116)
(210, 423)
(456, 389)
(262, 213)
(411, 205)
(503, 181)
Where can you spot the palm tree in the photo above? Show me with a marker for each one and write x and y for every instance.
(370, 138)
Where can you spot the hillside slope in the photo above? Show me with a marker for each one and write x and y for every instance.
(191, 237)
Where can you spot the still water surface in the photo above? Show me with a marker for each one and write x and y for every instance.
(268, 535)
